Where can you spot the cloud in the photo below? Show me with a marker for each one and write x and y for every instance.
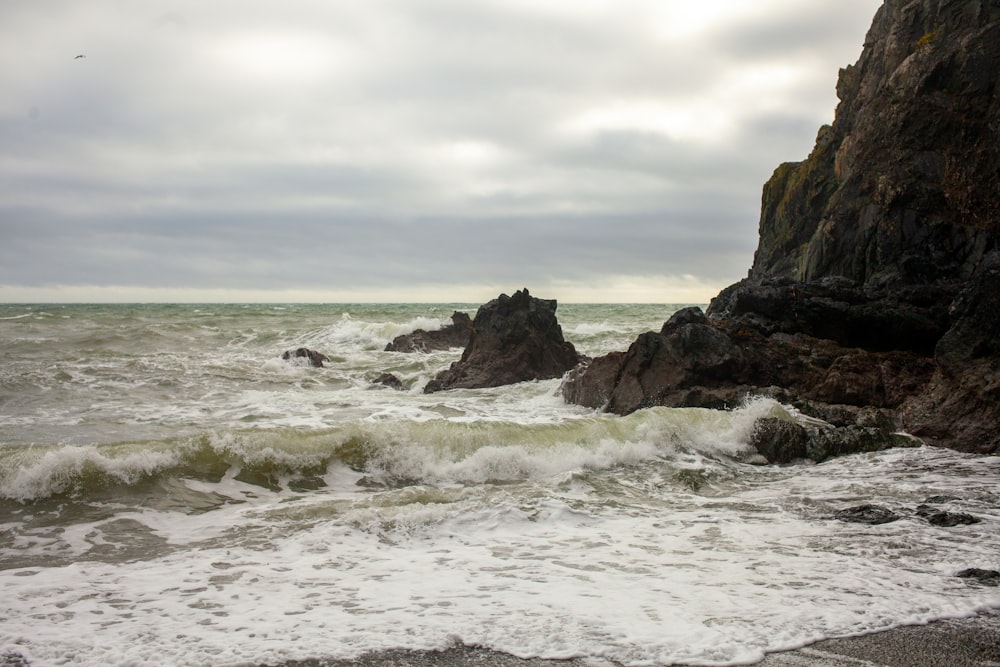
(393, 148)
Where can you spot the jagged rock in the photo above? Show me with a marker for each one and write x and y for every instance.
(697, 362)
(591, 382)
(902, 188)
(315, 358)
(447, 337)
(388, 380)
(868, 514)
(514, 339)
(876, 281)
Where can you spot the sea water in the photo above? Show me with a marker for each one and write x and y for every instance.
(173, 492)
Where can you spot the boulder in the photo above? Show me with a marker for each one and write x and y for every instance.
(514, 339)
(784, 441)
(868, 514)
(779, 440)
(447, 337)
(316, 359)
(388, 380)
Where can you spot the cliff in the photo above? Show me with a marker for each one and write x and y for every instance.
(903, 188)
(874, 296)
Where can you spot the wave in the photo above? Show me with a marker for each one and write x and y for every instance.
(387, 452)
(365, 334)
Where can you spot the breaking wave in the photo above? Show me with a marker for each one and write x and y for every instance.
(388, 453)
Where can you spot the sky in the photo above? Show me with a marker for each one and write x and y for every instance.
(402, 150)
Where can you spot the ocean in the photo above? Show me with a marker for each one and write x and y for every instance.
(172, 492)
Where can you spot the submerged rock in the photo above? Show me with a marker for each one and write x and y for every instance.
(316, 359)
(388, 380)
(514, 339)
(988, 577)
(447, 337)
(941, 518)
(868, 514)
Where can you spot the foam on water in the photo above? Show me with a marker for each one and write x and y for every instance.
(553, 568)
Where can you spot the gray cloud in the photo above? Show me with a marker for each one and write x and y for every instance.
(348, 145)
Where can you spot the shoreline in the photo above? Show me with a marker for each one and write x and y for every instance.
(959, 642)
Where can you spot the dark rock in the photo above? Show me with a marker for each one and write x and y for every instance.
(825, 443)
(852, 316)
(961, 406)
(867, 514)
(901, 188)
(447, 337)
(684, 316)
(876, 280)
(514, 339)
(388, 380)
(591, 382)
(937, 517)
(779, 440)
(783, 441)
(315, 358)
(717, 363)
(988, 577)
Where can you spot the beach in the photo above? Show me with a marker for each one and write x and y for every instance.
(964, 642)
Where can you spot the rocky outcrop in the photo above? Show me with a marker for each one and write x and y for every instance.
(514, 339)
(902, 188)
(316, 359)
(447, 337)
(876, 281)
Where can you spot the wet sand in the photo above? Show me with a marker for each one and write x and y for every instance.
(968, 642)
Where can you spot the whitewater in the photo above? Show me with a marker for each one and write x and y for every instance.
(173, 492)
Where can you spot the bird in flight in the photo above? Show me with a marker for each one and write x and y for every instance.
(79, 56)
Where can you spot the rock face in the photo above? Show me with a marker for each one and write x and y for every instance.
(455, 334)
(514, 339)
(902, 189)
(876, 281)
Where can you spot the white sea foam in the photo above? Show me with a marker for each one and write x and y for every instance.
(675, 578)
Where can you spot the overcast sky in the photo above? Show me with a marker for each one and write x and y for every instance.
(402, 150)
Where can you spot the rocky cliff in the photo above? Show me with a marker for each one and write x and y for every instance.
(876, 281)
(903, 188)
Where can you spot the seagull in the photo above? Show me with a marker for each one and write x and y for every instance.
(79, 56)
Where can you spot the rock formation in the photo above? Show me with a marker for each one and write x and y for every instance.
(452, 335)
(514, 339)
(876, 281)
